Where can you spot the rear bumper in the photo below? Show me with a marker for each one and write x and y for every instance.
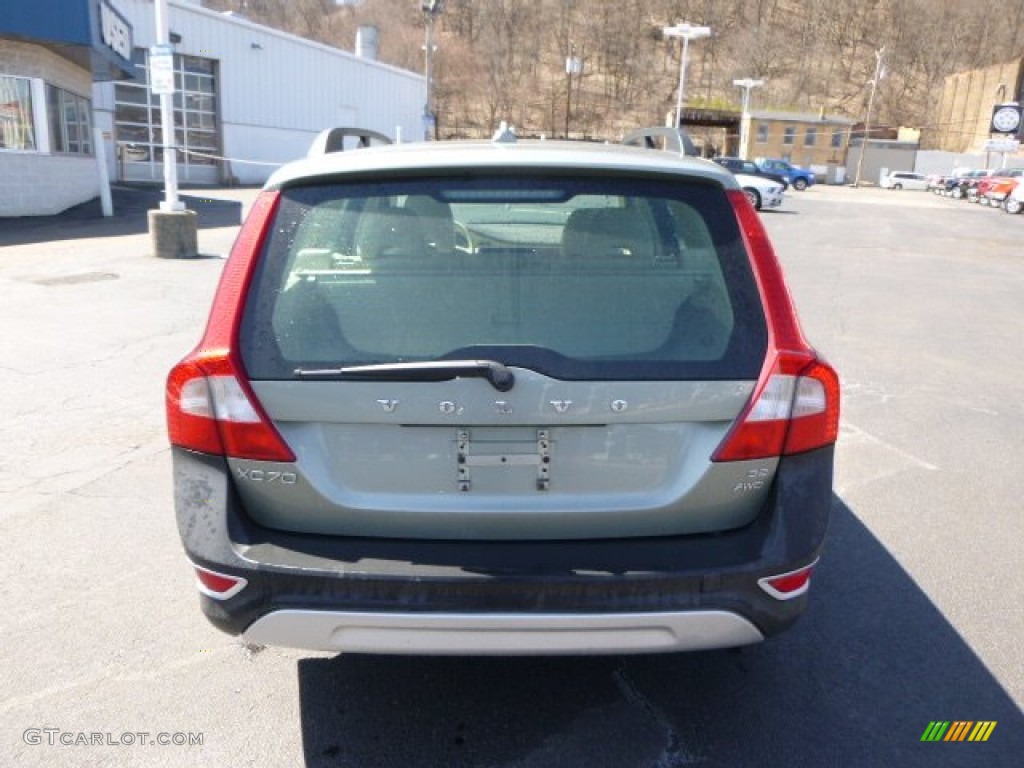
(463, 597)
(507, 634)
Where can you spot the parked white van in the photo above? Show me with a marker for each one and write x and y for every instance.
(904, 180)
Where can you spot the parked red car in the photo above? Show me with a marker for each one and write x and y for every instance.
(999, 191)
(987, 187)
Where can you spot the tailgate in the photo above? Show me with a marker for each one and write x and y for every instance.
(457, 459)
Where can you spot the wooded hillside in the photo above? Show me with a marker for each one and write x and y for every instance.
(505, 59)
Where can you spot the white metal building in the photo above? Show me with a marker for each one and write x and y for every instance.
(249, 98)
(247, 93)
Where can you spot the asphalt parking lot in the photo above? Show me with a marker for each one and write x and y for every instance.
(917, 609)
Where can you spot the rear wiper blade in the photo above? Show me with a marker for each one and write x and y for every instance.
(498, 374)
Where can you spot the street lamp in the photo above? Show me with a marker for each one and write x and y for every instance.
(573, 66)
(746, 84)
(687, 32)
(430, 8)
(171, 201)
(879, 74)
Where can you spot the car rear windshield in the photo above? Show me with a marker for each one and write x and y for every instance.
(576, 278)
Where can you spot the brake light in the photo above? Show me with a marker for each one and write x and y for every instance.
(789, 413)
(795, 404)
(212, 410)
(210, 406)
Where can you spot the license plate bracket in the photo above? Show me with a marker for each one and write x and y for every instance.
(491, 454)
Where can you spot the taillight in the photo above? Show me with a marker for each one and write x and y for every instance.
(795, 404)
(210, 406)
(814, 421)
(786, 586)
(213, 410)
(790, 412)
(219, 586)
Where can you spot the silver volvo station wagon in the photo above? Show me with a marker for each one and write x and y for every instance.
(503, 398)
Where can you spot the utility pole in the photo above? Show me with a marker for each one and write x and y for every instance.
(867, 120)
(573, 66)
(430, 8)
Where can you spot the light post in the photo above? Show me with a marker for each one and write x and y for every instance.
(171, 201)
(172, 228)
(687, 32)
(879, 74)
(746, 84)
(430, 10)
(573, 66)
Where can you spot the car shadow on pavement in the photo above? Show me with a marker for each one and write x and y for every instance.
(855, 683)
(131, 204)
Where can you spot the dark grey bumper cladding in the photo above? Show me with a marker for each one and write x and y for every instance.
(718, 571)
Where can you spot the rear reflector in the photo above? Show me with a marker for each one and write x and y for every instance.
(786, 586)
(219, 586)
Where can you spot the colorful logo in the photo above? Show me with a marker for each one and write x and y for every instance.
(958, 730)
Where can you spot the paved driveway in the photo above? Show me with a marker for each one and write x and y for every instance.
(916, 611)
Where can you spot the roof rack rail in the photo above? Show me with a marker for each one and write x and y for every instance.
(662, 137)
(334, 140)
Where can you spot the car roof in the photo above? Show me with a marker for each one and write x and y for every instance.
(761, 182)
(463, 155)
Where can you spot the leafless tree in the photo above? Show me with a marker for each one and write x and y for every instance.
(504, 59)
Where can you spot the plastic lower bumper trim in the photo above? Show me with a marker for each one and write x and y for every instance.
(502, 634)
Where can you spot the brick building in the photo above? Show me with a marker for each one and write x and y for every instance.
(803, 139)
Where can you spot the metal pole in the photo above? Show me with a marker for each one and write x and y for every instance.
(684, 30)
(744, 122)
(171, 202)
(430, 64)
(746, 84)
(867, 119)
(99, 145)
(682, 79)
(568, 88)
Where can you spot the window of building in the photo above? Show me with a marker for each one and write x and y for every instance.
(17, 130)
(762, 133)
(196, 128)
(789, 136)
(811, 137)
(837, 139)
(68, 116)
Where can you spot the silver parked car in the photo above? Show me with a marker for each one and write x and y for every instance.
(762, 192)
(503, 398)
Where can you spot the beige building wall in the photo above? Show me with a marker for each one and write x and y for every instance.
(802, 141)
(964, 112)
